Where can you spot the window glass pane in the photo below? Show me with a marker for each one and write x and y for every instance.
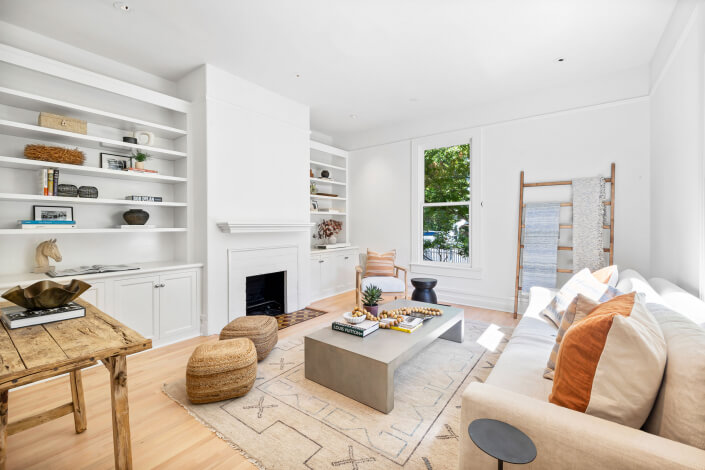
(447, 174)
(446, 234)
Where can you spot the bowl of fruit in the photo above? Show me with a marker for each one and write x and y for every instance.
(358, 315)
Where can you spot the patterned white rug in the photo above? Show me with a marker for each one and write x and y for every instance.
(288, 422)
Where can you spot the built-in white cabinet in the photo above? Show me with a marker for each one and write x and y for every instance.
(332, 272)
(178, 298)
(95, 295)
(136, 304)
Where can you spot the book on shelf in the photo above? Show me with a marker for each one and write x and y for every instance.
(333, 246)
(18, 317)
(144, 198)
(44, 181)
(56, 181)
(140, 170)
(361, 329)
(94, 269)
(46, 222)
(136, 226)
(49, 181)
(48, 226)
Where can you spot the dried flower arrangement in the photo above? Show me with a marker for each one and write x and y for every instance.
(329, 228)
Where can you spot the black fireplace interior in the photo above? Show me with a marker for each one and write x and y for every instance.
(265, 293)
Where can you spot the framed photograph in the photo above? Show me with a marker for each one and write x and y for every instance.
(314, 205)
(115, 162)
(50, 213)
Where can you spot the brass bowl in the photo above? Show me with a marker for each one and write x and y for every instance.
(46, 294)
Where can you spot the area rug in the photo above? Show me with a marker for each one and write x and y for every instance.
(289, 422)
(289, 319)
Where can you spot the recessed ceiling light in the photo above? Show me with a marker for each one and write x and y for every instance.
(353, 116)
(122, 6)
(298, 75)
(562, 59)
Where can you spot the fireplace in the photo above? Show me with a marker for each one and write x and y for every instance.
(265, 294)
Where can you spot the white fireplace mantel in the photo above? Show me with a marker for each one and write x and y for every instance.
(240, 227)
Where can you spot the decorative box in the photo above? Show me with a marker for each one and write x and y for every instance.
(88, 191)
(67, 190)
(63, 123)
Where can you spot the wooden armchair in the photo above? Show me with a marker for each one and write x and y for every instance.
(388, 284)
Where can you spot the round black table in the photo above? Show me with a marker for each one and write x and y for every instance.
(423, 290)
(502, 441)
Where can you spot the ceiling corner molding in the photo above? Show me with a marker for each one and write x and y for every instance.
(240, 227)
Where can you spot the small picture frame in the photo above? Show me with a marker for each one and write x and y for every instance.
(53, 213)
(314, 205)
(115, 162)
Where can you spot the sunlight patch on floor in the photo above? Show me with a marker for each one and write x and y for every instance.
(491, 337)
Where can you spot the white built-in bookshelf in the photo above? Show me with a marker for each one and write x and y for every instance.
(113, 109)
(335, 161)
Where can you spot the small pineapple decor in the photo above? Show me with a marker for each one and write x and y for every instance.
(371, 297)
(328, 229)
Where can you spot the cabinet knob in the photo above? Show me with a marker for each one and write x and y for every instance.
(162, 285)
(321, 261)
(347, 257)
(156, 286)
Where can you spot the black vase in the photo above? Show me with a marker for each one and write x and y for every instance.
(325, 174)
(136, 217)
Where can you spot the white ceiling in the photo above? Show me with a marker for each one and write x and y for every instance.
(384, 61)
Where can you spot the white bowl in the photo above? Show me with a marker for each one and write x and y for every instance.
(354, 320)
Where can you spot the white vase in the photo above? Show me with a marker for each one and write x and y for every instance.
(332, 240)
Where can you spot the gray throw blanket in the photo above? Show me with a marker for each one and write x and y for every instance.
(540, 257)
(588, 218)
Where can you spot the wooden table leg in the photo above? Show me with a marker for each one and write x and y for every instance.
(79, 403)
(3, 428)
(121, 412)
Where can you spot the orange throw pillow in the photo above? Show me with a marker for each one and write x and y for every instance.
(380, 264)
(610, 364)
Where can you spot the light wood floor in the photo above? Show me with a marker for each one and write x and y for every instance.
(164, 435)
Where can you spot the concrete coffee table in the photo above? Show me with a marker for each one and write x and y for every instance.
(363, 368)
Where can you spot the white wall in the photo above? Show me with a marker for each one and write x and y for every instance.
(256, 170)
(676, 151)
(554, 146)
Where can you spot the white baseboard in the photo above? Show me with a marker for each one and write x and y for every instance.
(461, 297)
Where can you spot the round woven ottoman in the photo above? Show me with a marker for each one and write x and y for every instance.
(221, 370)
(261, 329)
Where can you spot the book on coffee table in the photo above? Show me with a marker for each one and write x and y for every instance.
(361, 329)
(18, 317)
(408, 325)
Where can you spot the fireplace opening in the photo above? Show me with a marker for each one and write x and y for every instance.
(265, 294)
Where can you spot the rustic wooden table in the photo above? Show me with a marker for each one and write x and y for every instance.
(35, 353)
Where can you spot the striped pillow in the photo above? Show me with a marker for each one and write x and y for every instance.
(380, 264)
(578, 309)
(610, 364)
(582, 282)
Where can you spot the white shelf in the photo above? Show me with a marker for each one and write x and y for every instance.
(27, 164)
(336, 198)
(328, 213)
(30, 131)
(325, 181)
(22, 99)
(327, 165)
(72, 231)
(84, 200)
(327, 149)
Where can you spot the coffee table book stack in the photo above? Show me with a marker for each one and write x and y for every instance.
(18, 317)
(361, 329)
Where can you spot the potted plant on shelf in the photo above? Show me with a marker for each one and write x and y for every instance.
(328, 229)
(370, 298)
(140, 157)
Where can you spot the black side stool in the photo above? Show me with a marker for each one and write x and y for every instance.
(423, 290)
(502, 441)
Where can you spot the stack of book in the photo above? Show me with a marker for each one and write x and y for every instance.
(361, 329)
(44, 224)
(140, 170)
(18, 317)
(408, 325)
(49, 181)
(144, 198)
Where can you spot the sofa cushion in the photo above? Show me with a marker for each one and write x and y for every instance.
(610, 364)
(582, 282)
(679, 300)
(386, 283)
(380, 264)
(632, 281)
(679, 411)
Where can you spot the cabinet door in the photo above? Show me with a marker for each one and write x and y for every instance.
(348, 262)
(178, 295)
(136, 304)
(328, 275)
(95, 295)
(315, 277)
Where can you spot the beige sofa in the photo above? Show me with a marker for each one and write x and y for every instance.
(516, 393)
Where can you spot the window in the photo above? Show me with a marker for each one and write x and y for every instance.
(446, 206)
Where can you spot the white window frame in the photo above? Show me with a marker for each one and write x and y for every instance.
(472, 270)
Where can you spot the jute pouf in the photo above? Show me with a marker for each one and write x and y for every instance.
(221, 370)
(261, 329)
